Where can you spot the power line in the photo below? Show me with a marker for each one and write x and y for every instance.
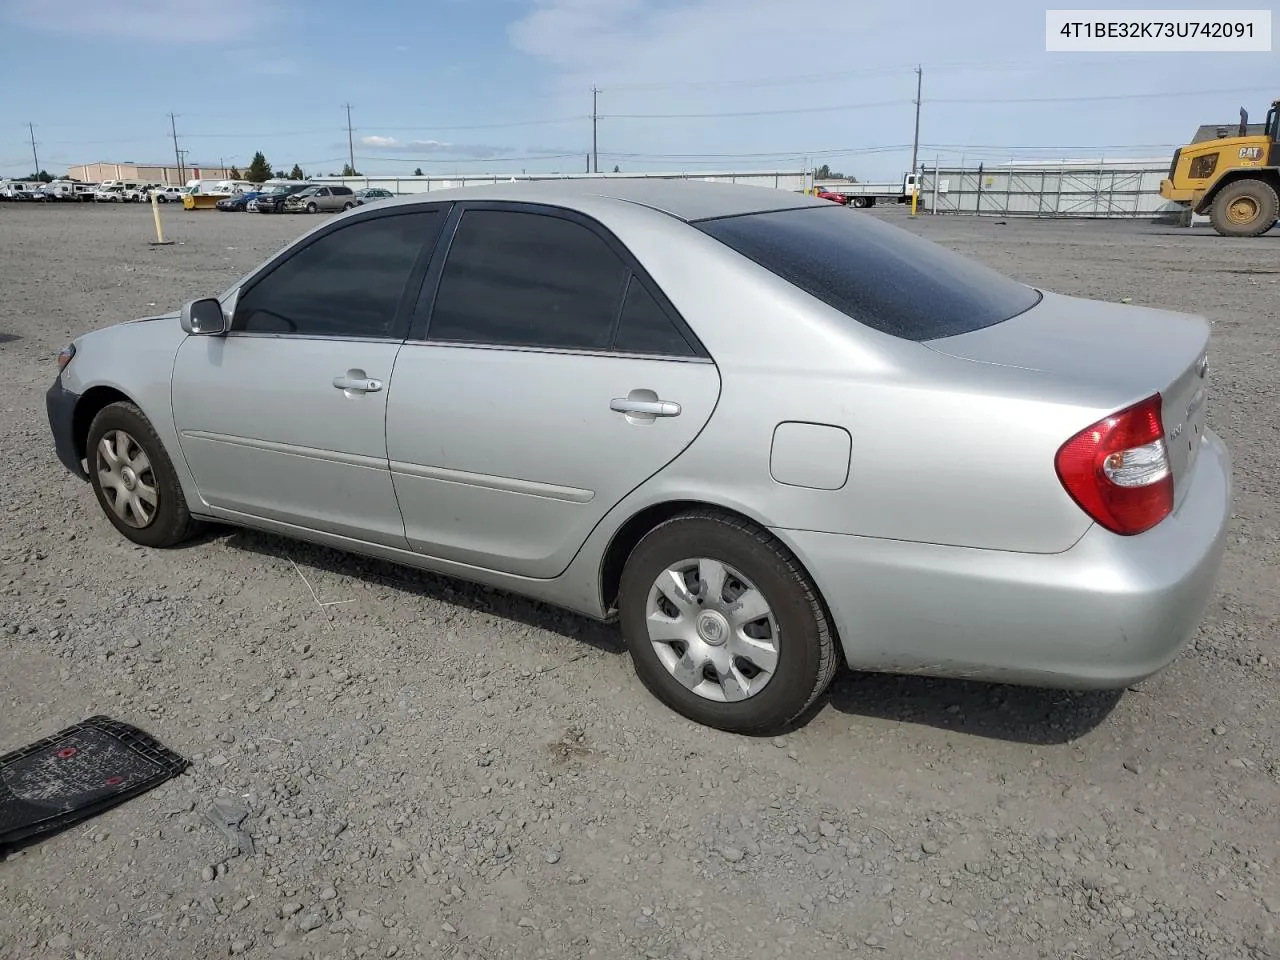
(755, 113)
(492, 126)
(783, 154)
(1092, 98)
(799, 79)
(456, 160)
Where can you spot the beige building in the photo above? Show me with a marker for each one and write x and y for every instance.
(146, 173)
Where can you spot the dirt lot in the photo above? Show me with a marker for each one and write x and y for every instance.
(437, 770)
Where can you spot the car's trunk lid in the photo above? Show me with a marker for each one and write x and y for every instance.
(1134, 350)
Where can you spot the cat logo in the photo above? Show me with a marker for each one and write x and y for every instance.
(1250, 153)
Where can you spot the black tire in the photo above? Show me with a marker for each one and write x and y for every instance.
(347, 206)
(807, 654)
(1248, 196)
(171, 523)
(312, 208)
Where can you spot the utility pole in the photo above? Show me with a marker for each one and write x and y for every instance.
(915, 144)
(595, 117)
(351, 144)
(177, 154)
(34, 159)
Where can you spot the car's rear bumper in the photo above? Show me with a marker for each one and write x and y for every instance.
(60, 404)
(1108, 612)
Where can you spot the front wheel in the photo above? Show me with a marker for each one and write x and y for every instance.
(1245, 208)
(312, 208)
(724, 626)
(134, 479)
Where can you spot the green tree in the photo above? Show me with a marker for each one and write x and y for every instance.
(417, 172)
(349, 171)
(296, 173)
(235, 173)
(259, 170)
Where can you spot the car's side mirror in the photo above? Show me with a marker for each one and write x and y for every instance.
(204, 318)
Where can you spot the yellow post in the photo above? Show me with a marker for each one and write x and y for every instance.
(159, 241)
(915, 195)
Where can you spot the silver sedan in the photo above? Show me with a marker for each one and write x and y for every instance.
(767, 435)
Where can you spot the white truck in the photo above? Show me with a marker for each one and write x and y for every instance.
(866, 194)
(119, 191)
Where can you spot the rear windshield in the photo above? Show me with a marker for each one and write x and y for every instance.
(879, 275)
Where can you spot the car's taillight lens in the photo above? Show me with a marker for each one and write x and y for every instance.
(1117, 470)
(65, 355)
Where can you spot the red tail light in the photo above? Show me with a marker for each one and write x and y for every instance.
(1117, 470)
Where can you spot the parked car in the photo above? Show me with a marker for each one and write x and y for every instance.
(370, 194)
(167, 193)
(824, 194)
(318, 198)
(238, 201)
(675, 404)
(272, 199)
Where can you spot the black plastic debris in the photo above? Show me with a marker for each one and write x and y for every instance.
(77, 774)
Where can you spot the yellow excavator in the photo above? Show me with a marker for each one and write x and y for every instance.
(1235, 179)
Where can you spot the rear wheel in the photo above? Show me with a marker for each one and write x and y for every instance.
(347, 205)
(723, 625)
(1245, 208)
(134, 479)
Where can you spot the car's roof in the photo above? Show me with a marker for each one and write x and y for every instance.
(688, 200)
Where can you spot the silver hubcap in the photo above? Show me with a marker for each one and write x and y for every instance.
(713, 630)
(127, 480)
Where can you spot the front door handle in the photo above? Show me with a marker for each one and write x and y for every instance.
(648, 408)
(355, 381)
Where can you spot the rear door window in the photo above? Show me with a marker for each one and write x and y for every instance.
(879, 275)
(527, 280)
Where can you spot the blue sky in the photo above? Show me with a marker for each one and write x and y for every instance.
(505, 85)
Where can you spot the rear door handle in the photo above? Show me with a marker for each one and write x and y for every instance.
(354, 381)
(651, 408)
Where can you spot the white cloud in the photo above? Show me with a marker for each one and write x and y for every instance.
(474, 150)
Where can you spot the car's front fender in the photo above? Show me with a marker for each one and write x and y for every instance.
(135, 359)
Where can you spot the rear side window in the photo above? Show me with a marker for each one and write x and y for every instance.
(644, 326)
(879, 275)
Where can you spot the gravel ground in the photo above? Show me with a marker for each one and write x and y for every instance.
(437, 770)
